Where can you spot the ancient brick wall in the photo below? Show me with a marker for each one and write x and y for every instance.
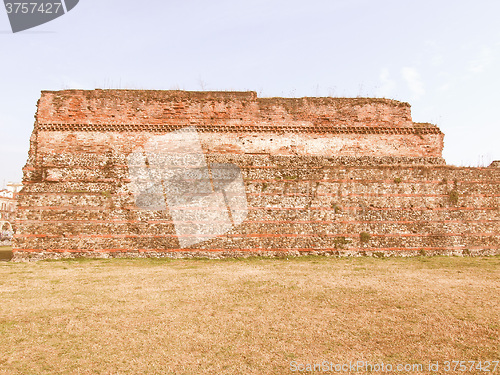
(234, 122)
(392, 196)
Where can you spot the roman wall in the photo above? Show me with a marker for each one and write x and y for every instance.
(367, 181)
(234, 122)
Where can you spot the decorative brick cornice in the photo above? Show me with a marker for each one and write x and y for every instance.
(418, 129)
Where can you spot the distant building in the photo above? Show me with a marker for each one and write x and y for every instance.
(8, 204)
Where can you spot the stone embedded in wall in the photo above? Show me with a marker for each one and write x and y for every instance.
(318, 173)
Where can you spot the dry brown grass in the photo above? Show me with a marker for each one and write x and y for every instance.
(244, 316)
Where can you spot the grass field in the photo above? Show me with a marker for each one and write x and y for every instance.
(251, 316)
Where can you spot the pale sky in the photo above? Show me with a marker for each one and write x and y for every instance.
(440, 56)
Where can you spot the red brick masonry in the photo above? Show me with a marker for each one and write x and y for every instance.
(322, 175)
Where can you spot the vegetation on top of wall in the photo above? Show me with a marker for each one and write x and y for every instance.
(336, 208)
(453, 196)
(106, 193)
(340, 242)
(364, 237)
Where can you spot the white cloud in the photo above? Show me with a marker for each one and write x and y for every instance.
(433, 53)
(388, 85)
(437, 60)
(484, 59)
(414, 82)
(444, 87)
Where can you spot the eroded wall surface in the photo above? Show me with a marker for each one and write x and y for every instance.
(320, 175)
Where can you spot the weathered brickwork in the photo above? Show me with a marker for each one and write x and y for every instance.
(236, 122)
(322, 175)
